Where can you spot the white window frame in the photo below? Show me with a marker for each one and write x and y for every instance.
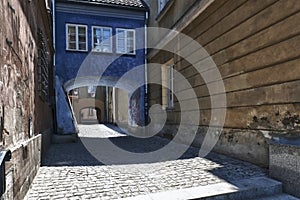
(77, 37)
(93, 43)
(170, 82)
(168, 79)
(161, 4)
(126, 40)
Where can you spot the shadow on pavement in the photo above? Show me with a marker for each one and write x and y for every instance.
(89, 151)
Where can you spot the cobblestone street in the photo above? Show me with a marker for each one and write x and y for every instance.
(70, 172)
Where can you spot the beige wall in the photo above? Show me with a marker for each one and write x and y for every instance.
(122, 106)
(255, 46)
(167, 17)
(80, 104)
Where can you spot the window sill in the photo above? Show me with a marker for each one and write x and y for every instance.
(169, 109)
(73, 50)
(126, 54)
(104, 52)
(164, 10)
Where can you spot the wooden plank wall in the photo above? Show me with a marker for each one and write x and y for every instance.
(256, 46)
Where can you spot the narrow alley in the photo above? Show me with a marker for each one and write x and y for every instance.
(149, 99)
(71, 172)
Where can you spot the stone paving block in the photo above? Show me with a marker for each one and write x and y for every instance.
(88, 179)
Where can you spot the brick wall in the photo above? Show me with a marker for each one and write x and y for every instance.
(255, 46)
(24, 113)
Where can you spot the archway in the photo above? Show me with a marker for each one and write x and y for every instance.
(90, 115)
(117, 104)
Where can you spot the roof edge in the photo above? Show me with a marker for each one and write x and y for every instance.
(145, 8)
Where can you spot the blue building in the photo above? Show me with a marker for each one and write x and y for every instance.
(97, 42)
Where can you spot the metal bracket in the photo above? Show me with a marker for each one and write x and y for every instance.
(5, 155)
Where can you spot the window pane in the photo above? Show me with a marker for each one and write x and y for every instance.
(71, 30)
(107, 37)
(121, 45)
(81, 38)
(121, 34)
(130, 42)
(72, 38)
(130, 45)
(106, 33)
(97, 38)
(82, 46)
(121, 49)
(97, 32)
(71, 45)
(81, 30)
(130, 34)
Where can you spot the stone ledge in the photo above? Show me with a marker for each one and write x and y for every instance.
(60, 139)
(285, 165)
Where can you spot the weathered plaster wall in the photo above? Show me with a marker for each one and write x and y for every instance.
(23, 113)
(255, 46)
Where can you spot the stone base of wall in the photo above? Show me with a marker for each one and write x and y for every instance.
(46, 141)
(22, 168)
(245, 145)
(285, 166)
(61, 139)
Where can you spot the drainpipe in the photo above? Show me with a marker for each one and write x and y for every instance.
(53, 25)
(54, 66)
(107, 105)
(146, 70)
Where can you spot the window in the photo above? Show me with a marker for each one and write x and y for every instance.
(76, 37)
(102, 40)
(161, 5)
(91, 111)
(168, 86)
(92, 91)
(125, 41)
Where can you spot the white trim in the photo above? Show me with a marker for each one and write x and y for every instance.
(170, 92)
(76, 36)
(168, 68)
(126, 38)
(110, 38)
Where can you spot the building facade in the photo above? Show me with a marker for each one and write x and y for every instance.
(254, 46)
(97, 42)
(26, 97)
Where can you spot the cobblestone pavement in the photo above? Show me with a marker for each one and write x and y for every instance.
(70, 172)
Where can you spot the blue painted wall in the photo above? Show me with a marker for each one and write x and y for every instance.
(67, 62)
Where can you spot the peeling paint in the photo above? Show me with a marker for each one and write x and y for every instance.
(291, 121)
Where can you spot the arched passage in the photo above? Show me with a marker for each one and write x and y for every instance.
(87, 103)
(118, 106)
